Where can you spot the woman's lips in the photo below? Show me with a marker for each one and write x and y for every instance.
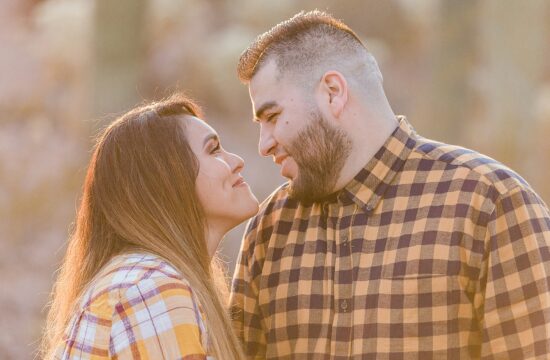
(240, 181)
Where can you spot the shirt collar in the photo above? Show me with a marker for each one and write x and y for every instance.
(368, 186)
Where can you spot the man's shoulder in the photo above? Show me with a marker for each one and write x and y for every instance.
(276, 206)
(278, 201)
(475, 166)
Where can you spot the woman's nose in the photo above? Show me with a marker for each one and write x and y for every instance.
(235, 162)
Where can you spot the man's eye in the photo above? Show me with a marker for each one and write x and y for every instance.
(272, 117)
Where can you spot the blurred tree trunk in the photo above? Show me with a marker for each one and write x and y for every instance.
(514, 39)
(119, 52)
(453, 60)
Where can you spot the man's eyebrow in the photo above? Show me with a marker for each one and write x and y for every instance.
(210, 137)
(266, 106)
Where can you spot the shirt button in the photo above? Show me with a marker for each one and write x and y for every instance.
(368, 207)
(344, 238)
(344, 305)
(342, 198)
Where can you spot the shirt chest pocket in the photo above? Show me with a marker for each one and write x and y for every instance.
(417, 308)
(417, 285)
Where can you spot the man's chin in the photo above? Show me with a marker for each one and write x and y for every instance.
(297, 191)
(309, 191)
(287, 174)
(293, 192)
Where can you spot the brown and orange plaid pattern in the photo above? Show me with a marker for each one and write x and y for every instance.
(432, 251)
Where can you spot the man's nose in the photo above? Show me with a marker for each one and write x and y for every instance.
(267, 142)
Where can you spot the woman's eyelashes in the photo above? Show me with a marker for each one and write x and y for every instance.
(215, 147)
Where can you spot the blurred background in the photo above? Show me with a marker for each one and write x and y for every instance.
(465, 72)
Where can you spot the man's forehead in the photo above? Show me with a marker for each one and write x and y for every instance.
(264, 79)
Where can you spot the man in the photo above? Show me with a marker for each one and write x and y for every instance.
(383, 244)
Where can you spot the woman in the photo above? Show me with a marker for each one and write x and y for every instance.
(139, 278)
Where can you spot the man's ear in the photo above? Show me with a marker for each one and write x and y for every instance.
(334, 92)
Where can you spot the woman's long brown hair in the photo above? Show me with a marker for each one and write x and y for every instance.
(139, 194)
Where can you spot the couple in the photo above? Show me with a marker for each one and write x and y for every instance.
(383, 244)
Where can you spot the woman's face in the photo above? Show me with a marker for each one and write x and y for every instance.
(224, 195)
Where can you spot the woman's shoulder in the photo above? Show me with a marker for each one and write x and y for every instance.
(144, 292)
(130, 268)
(154, 297)
(127, 272)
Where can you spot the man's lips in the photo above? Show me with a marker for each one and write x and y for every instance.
(279, 159)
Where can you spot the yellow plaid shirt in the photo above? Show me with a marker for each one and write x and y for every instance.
(138, 307)
(431, 251)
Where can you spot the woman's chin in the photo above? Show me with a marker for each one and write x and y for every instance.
(246, 211)
(228, 217)
(251, 209)
(250, 206)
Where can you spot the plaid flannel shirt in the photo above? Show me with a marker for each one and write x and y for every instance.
(431, 251)
(137, 307)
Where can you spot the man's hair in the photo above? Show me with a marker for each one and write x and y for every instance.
(303, 43)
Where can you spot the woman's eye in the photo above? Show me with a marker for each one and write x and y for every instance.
(216, 148)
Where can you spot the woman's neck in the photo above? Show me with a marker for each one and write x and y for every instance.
(213, 237)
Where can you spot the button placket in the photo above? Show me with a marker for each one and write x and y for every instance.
(324, 208)
(343, 292)
(345, 238)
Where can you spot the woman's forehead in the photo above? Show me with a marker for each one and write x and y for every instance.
(198, 131)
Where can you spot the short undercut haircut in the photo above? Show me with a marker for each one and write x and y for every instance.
(303, 44)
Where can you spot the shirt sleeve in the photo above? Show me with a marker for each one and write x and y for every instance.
(245, 310)
(157, 318)
(516, 313)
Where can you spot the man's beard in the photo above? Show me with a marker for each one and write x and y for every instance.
(320, 151)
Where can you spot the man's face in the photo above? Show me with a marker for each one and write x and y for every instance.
(309, 149)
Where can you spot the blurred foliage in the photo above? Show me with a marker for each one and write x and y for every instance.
(470, 73)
